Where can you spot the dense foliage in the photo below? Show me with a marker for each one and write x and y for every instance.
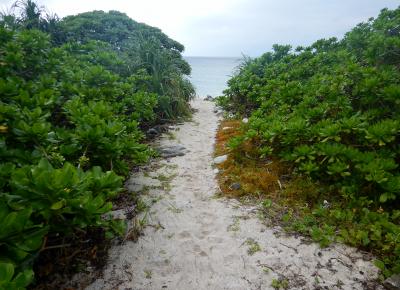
(331, 111)
(74, 95)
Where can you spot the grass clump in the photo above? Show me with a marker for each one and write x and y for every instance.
(253, 246)
(280, 283)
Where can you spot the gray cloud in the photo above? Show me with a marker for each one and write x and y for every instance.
(232, 27)
(256, 25)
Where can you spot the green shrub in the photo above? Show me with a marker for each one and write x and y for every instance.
(75, 94)
(332, 111)
(43, 201)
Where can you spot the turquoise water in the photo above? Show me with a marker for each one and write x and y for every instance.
(210, 74)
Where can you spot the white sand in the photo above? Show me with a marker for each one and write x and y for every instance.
(196, 241)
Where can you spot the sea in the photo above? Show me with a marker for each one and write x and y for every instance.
(210, 74)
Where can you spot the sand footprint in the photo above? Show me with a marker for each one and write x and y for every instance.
(199, 251)
(184, 235)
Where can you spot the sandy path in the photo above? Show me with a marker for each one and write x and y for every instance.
(195, 241)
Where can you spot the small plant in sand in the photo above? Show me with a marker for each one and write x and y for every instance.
(170, 236)
(174, 209)
(235, 226)
(166, 181)
(253, 246)
(170, 135)
(266, 270)
(280, 283)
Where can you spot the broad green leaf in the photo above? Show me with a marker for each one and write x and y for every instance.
(6, 272)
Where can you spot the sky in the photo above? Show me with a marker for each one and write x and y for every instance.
(235, 27)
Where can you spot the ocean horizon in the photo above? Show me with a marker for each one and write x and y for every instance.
(210, 74)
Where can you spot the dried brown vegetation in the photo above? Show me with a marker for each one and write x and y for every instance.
(257, 177)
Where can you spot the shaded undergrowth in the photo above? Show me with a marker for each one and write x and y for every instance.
(85, 251)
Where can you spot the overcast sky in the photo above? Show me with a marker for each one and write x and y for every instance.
(233, 27)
